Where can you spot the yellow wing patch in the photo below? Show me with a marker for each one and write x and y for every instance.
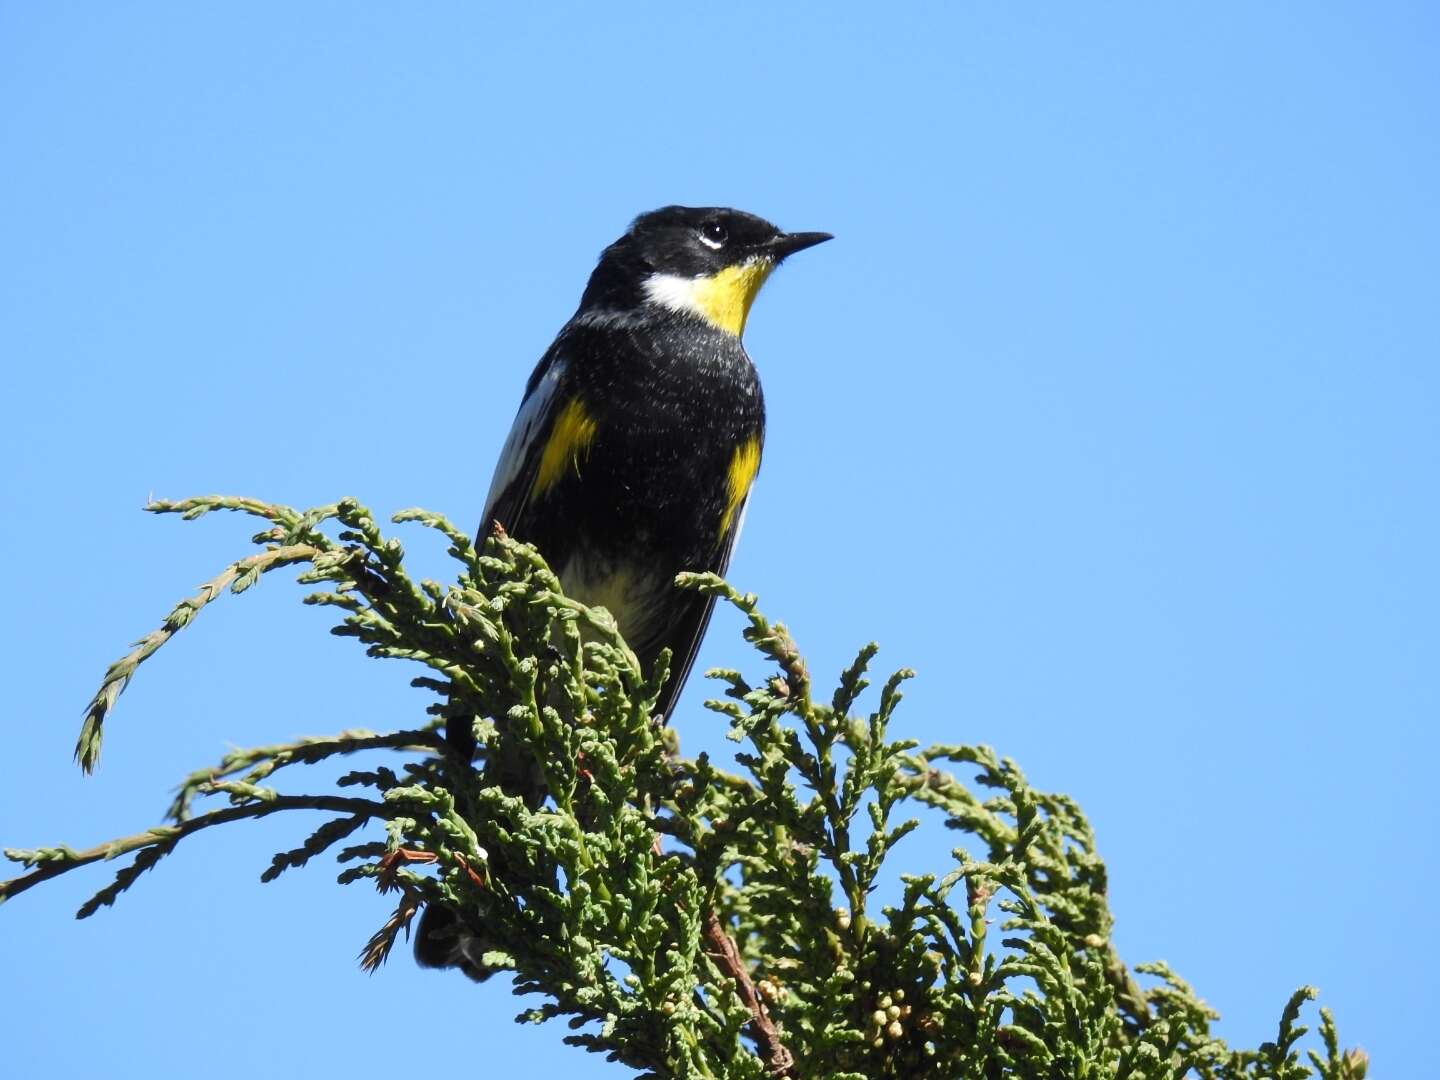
(569, 438)
(724, 299)
(744, 464)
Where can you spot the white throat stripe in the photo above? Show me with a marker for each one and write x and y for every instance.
(674, 292)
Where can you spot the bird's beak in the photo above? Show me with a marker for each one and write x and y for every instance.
(788, 243)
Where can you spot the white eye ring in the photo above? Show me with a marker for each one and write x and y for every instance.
(717, 240)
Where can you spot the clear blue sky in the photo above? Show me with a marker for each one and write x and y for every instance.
(1113, 404)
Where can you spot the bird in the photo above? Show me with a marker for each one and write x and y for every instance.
(637, 441)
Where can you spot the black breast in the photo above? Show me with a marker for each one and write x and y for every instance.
(671, 404)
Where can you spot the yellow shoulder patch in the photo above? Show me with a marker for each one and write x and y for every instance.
(570, 436)
(744, 464)
(724, 299)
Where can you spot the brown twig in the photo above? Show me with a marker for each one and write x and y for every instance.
(778, 1060)
(389, 866)
(377, 949)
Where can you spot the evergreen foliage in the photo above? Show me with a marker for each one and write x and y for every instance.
(689, 920)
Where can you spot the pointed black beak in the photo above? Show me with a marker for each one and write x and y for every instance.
(785, 244)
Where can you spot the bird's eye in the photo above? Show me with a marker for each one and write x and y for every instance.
(713, 234)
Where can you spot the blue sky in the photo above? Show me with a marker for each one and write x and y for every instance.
(1112, 408)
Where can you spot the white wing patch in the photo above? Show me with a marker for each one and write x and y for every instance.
(735, 540)
(528, 421)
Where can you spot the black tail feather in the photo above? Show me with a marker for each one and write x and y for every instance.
(443, 942)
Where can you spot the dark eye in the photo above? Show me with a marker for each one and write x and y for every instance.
(713, 234)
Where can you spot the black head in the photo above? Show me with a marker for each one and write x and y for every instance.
(709, 261)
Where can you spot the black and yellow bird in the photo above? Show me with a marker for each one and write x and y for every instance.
(637, 441)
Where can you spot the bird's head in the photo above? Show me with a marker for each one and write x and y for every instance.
(704, 261)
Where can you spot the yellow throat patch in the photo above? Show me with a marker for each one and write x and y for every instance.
(744, 464)
(724, 299)
(569, 438)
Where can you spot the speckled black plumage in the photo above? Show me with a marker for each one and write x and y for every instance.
(672, 397)
(671, 402)
(669, 398)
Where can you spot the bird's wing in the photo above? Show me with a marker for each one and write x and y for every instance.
(519, 462)
(689, 630)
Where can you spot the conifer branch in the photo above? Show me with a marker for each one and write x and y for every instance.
(690, 921)
(51, 862)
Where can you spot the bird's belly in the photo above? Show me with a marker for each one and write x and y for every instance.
(639, 594)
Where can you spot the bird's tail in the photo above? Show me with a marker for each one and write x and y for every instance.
(442, 941)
